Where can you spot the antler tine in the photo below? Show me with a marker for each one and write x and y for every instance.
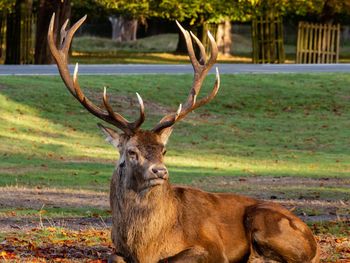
(61, 57)
(110, 117)
(141, 118)
(212, 94)
(189, 45)
(201, 48)
(63, 33)
(201, 69)
(214, 51)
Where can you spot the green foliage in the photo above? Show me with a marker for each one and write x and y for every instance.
(298, 7)
(199, 11)
(130, 8)
(7, 5)
(93, 8)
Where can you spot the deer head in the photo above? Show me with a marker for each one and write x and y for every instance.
(141, 151)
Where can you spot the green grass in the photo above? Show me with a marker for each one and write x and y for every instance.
(158, 43)
(263, 125)
(155, 49)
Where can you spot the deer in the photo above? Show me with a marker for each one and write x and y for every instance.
(155, 221)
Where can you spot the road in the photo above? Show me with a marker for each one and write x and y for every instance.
(172, 69)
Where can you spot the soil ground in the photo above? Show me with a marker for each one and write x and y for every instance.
(306, 205)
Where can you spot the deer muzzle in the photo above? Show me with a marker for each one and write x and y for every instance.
(159, 172)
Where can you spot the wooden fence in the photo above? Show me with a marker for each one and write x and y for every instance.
(27, 39)
(17, 38)
(318, 43)
(267, 37)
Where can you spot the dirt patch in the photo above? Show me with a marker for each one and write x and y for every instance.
(22, 170)
(3, 87)
(85, 159)
(34, 198)
(272, 181)
(10, 224)
(308, 207)
(312, 199)
(265, 187)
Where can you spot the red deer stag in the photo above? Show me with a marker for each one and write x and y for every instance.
(154, 221)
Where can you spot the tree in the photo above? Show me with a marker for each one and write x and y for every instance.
(117, 27)
(18, 30)
(5, 7)
(331, 8)
(126, 16)
(62, 9)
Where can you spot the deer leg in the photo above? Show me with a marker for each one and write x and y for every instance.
(197, 255)
(193, 254)
(256, 258)
(116, 259)
(276, 235)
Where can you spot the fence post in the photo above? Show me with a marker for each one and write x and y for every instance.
(338, 44)
(267, 39)
(205, 40)
(318, 43)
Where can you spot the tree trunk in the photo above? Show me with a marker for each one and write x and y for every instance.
(327, 13)
(2, 37)
(220, 37)
(13, 35)
(19, 33)
(224, 37)
(117, 27)
(62, 9)
(129, 30)
(227, 38)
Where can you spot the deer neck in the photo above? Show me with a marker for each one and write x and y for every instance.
(139, 217)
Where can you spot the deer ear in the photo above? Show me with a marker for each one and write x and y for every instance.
(165, 134)
(111, 135)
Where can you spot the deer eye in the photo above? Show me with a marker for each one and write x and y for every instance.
(164, 152)
(132, 154)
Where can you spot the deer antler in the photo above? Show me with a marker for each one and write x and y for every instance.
(201, 69)
(61, 57)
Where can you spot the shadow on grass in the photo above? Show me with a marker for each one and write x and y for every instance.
(274, 125)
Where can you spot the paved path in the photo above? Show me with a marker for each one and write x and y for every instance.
(172, 69)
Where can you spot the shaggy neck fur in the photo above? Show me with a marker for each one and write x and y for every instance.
(141, 220)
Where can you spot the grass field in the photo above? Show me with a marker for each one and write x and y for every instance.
(155, 49)
(282, 136)
(277, 125)
(161, 49)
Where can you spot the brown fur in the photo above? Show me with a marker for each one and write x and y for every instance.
(183, 224)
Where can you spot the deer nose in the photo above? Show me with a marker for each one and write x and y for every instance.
(160, 171)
